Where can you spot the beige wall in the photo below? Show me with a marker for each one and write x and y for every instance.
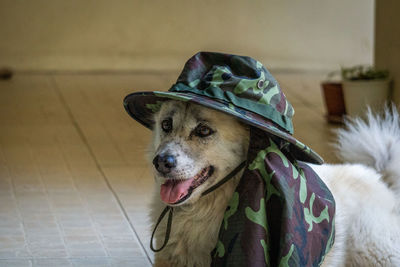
(387, 40)
(157, 35)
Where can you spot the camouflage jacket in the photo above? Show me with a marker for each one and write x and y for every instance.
(281, 213)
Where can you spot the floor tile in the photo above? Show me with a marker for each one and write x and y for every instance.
(15, 263)
(52, 263)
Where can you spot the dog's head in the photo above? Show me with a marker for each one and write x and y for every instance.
(193, 148)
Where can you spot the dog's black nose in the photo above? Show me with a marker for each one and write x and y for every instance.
(164, 163)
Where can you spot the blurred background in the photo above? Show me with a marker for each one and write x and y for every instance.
(74, 183)
(161, 35)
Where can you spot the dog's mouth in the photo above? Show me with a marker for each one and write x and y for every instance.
(175, 191)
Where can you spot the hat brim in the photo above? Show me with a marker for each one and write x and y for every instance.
(142, 105)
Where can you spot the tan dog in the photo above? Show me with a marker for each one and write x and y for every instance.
(198, 139)
(194, 147)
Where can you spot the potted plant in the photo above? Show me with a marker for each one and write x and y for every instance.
(364, 86)
(333, 98)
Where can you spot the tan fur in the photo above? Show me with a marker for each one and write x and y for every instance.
(196, 223)
(160, 263)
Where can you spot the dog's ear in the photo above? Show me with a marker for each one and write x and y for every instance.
(245, 125)
(247, 128)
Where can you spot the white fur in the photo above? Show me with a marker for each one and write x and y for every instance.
(367, 219)
(374, 142)
(367, 225)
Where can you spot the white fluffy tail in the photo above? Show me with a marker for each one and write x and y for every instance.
(374, 142)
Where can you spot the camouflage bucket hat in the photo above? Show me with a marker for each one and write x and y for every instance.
(237, 85)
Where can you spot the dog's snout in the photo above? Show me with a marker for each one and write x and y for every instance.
(164, 163)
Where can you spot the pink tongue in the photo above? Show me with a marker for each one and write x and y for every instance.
(171, 191)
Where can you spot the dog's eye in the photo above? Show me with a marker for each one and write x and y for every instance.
(203, 131)
(166, 125)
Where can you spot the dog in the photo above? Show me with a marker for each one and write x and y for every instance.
(194, 147)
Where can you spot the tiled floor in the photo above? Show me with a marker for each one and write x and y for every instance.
(74, 184)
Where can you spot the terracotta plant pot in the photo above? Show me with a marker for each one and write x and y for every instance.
(334, 101)
(358, 95)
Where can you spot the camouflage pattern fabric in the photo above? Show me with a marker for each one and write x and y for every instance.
(239, 80)
(281, 213)
(237, 85)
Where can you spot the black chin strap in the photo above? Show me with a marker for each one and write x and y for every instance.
(171, 209)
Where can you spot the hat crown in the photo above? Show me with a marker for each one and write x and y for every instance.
(235, 85)
(238, 79)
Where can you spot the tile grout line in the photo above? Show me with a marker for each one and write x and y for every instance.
(108, 134)
(16, 201)
(39, 171)
(84, 202)
(85, 141)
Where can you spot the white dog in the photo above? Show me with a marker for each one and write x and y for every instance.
(194, 147)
